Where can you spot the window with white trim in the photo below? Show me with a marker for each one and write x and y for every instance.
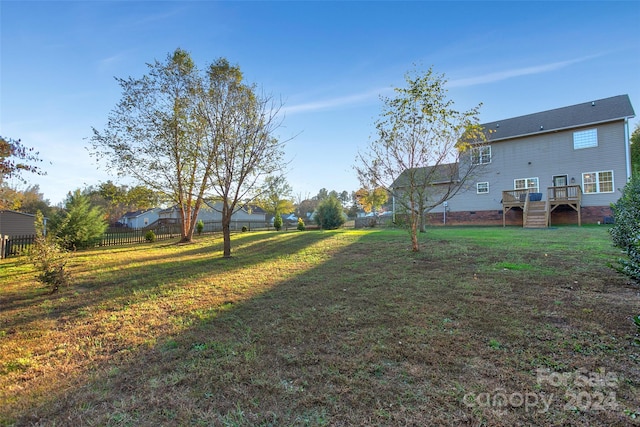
(481, 155)
(585, 139)
(597, 182)
(482, 187)
(526, 183)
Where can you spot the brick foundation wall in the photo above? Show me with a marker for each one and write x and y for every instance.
(562, 215)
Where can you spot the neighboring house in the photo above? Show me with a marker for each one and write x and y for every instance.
(141, 218)
(14, 223)
(212, 212)
(575, 158)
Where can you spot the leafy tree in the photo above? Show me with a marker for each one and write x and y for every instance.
(372, 200)
(30, 200)
(155, 135)
(48, 258)
(322, 194)
(79, 224)
(329, 214)
(422, 152)
(635, 150)
(626, 229)
(275, 196)
(306, 207)
(345, 198)
(190, 134)
(16, 158)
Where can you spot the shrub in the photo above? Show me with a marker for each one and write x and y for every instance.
(199, 227)
(244, 229)
(48, 258)
(277, 222)
(626, 229)
(329, 214)
(301, 226)
(150, 236)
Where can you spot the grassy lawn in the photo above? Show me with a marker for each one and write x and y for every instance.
(485, 326)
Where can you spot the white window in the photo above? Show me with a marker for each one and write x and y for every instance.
(482, 187)
(481, 155)
(526, 183)
(597, 182)
(585, 139)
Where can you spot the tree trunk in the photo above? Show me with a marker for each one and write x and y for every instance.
(185, 220)
(423, 225)
(226, 230)
(415, 247)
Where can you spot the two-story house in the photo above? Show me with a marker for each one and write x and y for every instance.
(575, 159)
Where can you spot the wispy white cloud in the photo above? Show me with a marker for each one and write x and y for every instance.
(341, 101)
(516, 72)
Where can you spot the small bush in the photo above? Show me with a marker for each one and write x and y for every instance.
(301, 226)
(150, 236)
(626, 229)
(199, 227)
(277, 222)
(244, 229)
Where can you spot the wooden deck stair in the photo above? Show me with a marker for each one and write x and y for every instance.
(536, 215)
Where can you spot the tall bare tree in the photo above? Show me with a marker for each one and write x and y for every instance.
(242, 123)
(422, 153)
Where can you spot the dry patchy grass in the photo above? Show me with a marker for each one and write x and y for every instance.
(485, 326)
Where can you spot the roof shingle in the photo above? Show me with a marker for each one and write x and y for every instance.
(585, 114)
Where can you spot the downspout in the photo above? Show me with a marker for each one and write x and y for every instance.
(627, 149)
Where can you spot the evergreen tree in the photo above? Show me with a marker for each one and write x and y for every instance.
(329, 214)
(79, 225)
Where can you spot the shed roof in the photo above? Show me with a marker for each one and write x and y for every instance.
(574, 116)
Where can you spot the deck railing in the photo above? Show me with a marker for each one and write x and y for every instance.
(564, 194)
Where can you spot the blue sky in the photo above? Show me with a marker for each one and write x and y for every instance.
(329, 62)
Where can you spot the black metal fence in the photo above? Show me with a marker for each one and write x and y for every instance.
(15, 245)
(117, 236)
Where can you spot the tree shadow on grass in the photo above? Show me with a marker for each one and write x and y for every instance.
(115, 284)
(371, 334)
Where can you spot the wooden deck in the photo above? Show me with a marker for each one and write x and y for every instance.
(537, 214)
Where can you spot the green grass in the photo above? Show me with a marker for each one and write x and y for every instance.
(317, 328)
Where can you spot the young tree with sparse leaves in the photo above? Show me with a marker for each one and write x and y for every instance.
(421, 153)
(48, 257)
